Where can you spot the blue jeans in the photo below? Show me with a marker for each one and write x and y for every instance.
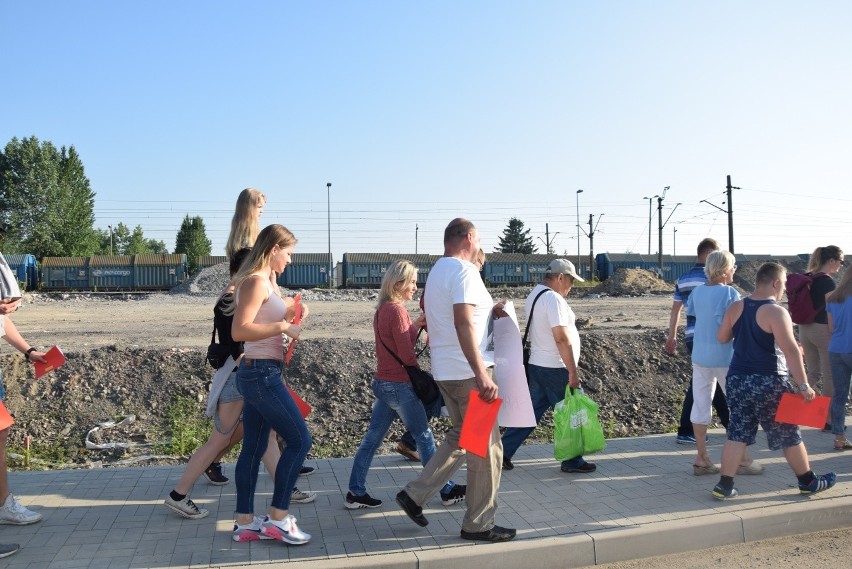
(268, 405)
(393, 398)
(841, 371)
(547, 388)
(432, 410)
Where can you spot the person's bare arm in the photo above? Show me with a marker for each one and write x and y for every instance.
(725, 333)
(566, 352)
(465, 330)
(252, 294)
(674, 320)
(14, 338)
(777, 321)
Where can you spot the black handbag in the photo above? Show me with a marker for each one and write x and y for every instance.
(524, 344)
(422, 382)
(217, 354)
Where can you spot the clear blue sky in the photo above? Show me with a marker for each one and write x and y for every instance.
(418, 112)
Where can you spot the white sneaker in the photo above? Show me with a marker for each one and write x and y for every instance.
(13, 512)
(285, 530)
(186, 508)
(302, 497)
(249, 532)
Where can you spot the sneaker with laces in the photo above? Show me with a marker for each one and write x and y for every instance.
(285, 530)
(721, 493)
(302, 497)
(249, 532)
(186, 508)
(685, 440)
(306, 470)
(818, 484)
(15, 513)
(354, 502)
(7, 549)
(214, 475)
(454, 496)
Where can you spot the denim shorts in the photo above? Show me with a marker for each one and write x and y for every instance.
(229, 394)
(753, 399)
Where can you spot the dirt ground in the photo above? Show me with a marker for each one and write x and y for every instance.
(806, 551)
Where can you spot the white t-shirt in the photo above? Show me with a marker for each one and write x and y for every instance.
(454, 281)
(551, 310)
(2, 325)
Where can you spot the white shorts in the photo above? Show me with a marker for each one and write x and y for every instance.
(704, 380)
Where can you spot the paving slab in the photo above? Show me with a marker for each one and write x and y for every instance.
(643, 500)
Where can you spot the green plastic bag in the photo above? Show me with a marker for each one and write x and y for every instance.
(576, 428)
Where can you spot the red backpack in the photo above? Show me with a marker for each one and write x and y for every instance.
(799, 301)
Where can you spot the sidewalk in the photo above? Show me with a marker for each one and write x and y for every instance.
(642, 501)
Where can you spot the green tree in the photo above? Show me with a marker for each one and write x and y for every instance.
(45, 200)
(515, 239)
(123, 242)
(192, 240)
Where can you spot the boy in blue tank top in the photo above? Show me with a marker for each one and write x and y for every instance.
(758, 375)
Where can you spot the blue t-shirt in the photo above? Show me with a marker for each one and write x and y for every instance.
(708, 303)
(841, 319)
(684, 286)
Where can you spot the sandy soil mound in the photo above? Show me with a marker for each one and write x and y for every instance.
(633, 282)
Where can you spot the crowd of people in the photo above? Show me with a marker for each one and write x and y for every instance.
(744, 346)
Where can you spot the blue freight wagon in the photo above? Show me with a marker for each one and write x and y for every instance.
(306, 270)
(366, 270)
(25, 268)
(159, 271)
(111, 272)
(65, 273)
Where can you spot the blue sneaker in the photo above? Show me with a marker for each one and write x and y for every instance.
(685, 440)
(818, 484)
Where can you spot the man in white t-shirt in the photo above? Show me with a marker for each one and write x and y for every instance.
(554, 354)
(458, 308)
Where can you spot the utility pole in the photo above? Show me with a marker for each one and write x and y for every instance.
(662, 224)
(674, 243)
(730, 217)
(650, 209)
(730, 211)
(591, 236)
(416, 229)
(548, 241)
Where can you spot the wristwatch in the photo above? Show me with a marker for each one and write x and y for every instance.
(804, 387)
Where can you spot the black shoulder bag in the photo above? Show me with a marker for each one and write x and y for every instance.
(217, 354)
(524, 344)
(421, 380)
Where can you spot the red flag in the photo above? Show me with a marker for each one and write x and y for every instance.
(55, 359)
(793, 409)
(6, 419)
(304, 408)
(478, 423)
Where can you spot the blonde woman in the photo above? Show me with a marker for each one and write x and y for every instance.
(260, 321)
(395, 335)
(246, 221)
(839, 308)
(710, 358)
(815, 336)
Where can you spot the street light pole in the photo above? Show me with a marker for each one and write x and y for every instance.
(110, 240)
(328, 187)
(578, 230)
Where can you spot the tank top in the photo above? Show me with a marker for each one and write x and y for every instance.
(755, 351)
(272, 310)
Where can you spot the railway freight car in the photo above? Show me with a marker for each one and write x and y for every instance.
(306, 270)
(365, 270)
(25, 269)
(159, 271)
(65, 273)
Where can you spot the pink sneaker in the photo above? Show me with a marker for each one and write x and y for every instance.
(286, 530)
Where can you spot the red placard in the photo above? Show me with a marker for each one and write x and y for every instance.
(297, 319)
(478, 423)
(793, 409)
(304, 408)
(55, 359)
(6, 419)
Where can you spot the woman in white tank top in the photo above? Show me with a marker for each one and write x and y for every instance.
(259, 321)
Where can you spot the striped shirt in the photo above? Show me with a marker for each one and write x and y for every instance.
(683, 288)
